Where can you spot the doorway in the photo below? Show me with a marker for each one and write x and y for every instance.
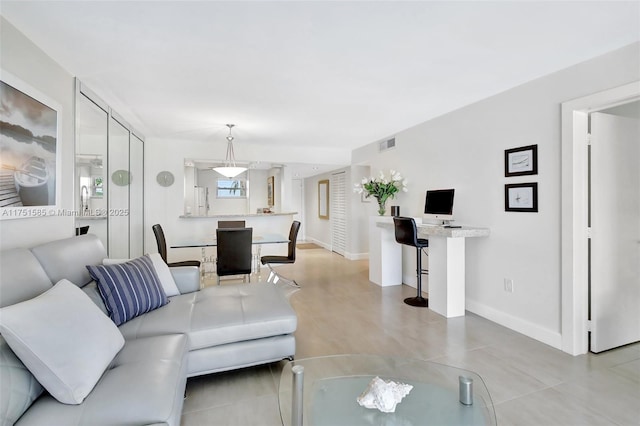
(575, 209)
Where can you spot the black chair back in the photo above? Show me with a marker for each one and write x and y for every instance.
(234, 251)
(231, 224)
(82, 230)
(406, 231)
(162, 248)
(160, 241)
(293, 236)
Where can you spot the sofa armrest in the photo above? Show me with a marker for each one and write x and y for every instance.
(187, 278)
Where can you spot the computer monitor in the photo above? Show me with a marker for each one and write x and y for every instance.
(438, 205)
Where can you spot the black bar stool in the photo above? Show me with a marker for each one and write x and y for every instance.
(407, 234)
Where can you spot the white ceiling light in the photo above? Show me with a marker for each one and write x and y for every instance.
(230, 169)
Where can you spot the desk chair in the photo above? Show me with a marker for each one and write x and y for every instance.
(231, 224)
(407, 233)
(162, 248)
(82, 230)
(234, 252)
(289, 258)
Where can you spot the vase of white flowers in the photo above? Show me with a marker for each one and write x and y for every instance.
(382, 188)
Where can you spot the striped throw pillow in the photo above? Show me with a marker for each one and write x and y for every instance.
(129, 289)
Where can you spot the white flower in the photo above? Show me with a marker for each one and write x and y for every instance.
(382, 188)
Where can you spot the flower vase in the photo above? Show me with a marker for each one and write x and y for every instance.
(382, 209)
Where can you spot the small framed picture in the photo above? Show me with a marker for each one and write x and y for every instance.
(521, 161)
(521, 197)
(270, 191)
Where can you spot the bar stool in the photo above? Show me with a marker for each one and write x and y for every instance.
(407, 233)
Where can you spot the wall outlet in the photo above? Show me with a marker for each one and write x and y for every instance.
(508, 285)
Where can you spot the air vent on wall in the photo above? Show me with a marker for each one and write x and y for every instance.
(388, 144)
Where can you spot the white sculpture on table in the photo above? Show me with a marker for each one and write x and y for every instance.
(383, 395)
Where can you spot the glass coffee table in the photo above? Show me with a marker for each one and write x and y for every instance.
(323, 391)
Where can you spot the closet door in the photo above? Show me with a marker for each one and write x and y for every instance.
(92, 121)
(136, 199)
(338, 205)
(109, 176)
(119, 184)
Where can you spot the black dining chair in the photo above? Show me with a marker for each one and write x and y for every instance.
(289, 258)
(231, 224)
(406, 232)
(162, 248)
(82, 230)
(234, 255)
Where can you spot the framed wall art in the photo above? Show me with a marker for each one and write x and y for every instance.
(521, 161)
(270, 191)
(323, 199)
(30, 151)
(521, 197)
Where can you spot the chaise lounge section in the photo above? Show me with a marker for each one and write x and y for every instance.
(199, 331)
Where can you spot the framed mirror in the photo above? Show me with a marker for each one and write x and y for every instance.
(323, 199)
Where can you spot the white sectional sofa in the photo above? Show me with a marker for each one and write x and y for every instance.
(199, 331)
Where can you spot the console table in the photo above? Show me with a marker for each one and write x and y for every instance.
(446, 262)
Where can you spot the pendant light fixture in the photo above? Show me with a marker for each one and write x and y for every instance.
(230, 169)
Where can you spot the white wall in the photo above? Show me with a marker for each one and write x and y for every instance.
(359, 213)
(20, 57)
(257, 189)
(465, 150)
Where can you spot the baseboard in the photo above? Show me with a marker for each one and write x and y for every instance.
(356, 256)
(347, 255)
(527, 328)
(410, 280)
(318, 242)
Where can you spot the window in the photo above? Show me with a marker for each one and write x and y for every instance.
(231, 188)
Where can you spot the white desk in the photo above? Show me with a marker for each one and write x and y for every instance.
(385, 255)
(446, 263)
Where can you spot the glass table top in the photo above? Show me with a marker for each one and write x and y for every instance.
(332, 384)
(212, 242)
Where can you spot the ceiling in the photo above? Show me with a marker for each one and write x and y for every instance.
(313, 78)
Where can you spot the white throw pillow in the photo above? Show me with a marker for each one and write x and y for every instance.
(164, 274)
(63, 338)
(162, 270)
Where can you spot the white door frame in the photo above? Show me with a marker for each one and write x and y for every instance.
(574, 205)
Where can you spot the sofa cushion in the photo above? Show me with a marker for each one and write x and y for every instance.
(218, 315)
(144, 385)
(18, 387)
(22, 277)
(67, 258)
(63, 339)
(129, 289)
(162, 270)
(227, 314)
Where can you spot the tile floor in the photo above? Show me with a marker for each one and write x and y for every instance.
(341, 312)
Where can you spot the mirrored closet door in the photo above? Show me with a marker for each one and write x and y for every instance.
(109, 177)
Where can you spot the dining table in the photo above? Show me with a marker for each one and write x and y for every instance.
(208, 262)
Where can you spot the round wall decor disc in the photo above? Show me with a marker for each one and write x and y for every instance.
(165, 178)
